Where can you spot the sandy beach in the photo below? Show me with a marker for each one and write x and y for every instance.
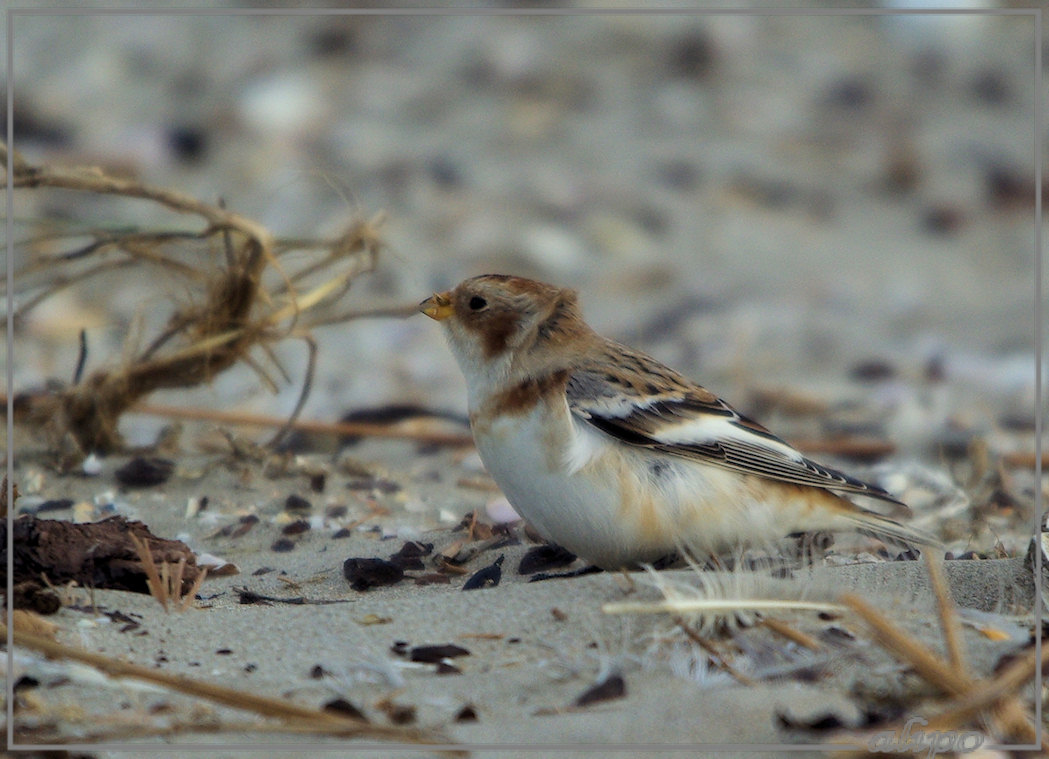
(826, 220)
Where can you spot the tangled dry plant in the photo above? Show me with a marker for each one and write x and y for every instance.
(996, 702)
(243, 294)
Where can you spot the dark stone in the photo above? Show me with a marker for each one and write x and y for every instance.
(371, 573)
(610, 688)
(545, 558)
(145, 472)
(298, 504)
(434, 654)
(344, 708)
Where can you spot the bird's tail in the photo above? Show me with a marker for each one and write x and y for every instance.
(889, 530)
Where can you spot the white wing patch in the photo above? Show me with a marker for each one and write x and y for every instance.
(704, 429)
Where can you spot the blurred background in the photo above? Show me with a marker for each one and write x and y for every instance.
(836, 209)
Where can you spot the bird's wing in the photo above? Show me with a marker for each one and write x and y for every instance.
(643, 403)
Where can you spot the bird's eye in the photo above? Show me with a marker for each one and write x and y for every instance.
(477, 303)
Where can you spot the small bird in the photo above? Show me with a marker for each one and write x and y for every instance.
(619, 458)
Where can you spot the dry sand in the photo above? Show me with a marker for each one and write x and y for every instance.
(534, 647)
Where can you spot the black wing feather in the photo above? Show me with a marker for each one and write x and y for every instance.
(598, 398)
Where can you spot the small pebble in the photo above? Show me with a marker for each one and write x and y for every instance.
(610, 688)
(693, 55)
(187, 144)
(850, 93)
(283, 545)
(336, 511)
(371, 573)
(344, 708)
(297, 503)
(195, 505)
(872, 370)
(943, 220)
(240, 527)
(434, 654)
(544, 558)
(401, 714)
(330, 41)
(991, 87)
(297, 527)
(143, 472)
(410, 555)
(1006, 187)
(378, 484)
(92, 466)
(217, 567)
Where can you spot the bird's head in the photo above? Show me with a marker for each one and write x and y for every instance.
(500, 325)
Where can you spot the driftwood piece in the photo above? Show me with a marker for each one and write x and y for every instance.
(241, 291)
(96, 554)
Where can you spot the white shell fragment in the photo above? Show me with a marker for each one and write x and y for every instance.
(92, 466)
(192, 507)
(216, 566)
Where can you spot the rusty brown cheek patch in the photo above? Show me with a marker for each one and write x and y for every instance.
(524, 396)
(495, 331)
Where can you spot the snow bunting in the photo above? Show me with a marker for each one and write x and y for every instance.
(618, 458)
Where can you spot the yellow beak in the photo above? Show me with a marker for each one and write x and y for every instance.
(438, 306)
